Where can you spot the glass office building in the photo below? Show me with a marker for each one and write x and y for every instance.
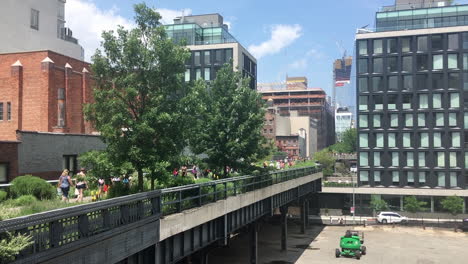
(412, 86)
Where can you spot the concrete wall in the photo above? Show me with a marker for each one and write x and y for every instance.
(18, 36)
(41, 154)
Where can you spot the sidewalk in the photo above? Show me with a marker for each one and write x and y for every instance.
(347, 219)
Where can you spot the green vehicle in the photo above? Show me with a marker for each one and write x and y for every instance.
(351, 245)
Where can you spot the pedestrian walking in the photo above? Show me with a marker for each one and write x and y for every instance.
(81, 185)
(64, 183)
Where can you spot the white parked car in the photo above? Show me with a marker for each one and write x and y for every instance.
(390, 217)
(353, 169)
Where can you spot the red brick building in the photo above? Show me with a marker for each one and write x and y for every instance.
(41, 91)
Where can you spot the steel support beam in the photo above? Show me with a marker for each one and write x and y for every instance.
(284, 227)
(303, 215)
(307, 212)
(253, 243)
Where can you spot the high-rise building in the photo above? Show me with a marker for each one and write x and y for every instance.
(31, 25)
(412, 85)
(343, 122)
(211, 45)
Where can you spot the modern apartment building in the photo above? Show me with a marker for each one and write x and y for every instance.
(412, 85)
(343, 121)
(211, 45)
(32, 25)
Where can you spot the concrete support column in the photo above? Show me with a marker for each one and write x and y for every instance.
(432, 204)
(284, 227)
(204, 257)
(253, 243)
(158, 254)
(307, 212)
(401, 203)
(303, 216)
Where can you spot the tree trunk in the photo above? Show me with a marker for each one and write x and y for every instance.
(140, 180)
(152, 180)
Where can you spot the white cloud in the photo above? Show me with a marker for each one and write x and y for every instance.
(298, 64)
(281, 37)
(88, 22)
(316, 54)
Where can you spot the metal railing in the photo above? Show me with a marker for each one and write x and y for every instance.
(60, 227)
(177, 199)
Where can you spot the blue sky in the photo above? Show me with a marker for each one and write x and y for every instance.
(305, 32)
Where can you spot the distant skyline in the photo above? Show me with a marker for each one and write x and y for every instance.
(294, 38)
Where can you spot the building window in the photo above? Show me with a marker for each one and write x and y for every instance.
(362, 66)
(1, 111)
(437, 140)
(410, 178)
(454, 100)
(454, 80)
(218, 56)
(437, 100)
(206, 71)
(408, 120)
(35, 19)
(407, 83)
(377, 84)
(439, 119)
(465, 40)
(407, 63)
(437, 81)
(363, 121)
(378, 47)
(410, 159)
(363, 140)
(363, 100)
(392, 102)
(421, 120)
(423, 101)
(422, 159)
(452, 61)
(378, 65)
(453, 159)
(436, 41)
(406, 140)
(422, 43)
(3, 172)
(377, 120)
(466, 120)
(406, 45)
(437, 62)
(421, 62)
(392, 65)
(394, 120)
(206, 57)
(364, 177)
(441, 179)
(453, 179)
(452, 42)
(379, 140)
(456, 140)
(424, 140)
(197, 74)
(196, 55)
(392, 45)
(69, 163)
(452, 119)
(187, 75)
(377, 178)
(271, 131)
(8, 111)
(363, 86)
(229, 58)
(395, 159)
(466, 160)
(377, 161)
(392, 83)
(364, 159)
(395, 178)
(391, 140)
(362, 47)
(440, 159)
(421, 82)
(422, 178)
(406, 101)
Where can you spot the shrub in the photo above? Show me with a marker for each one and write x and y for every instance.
(32, 185)
(3, 196)
(11, 246)
(25, 200)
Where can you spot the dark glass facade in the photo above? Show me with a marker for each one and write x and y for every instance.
(413, 110)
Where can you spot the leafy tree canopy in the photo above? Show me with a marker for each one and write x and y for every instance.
(413, 205)
(325, 158)
(378, 204)
(453, 204)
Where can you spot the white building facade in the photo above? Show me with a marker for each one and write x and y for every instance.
(343, 122)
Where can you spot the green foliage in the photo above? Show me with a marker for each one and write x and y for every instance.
(100, 165)
(227, 122)
(137, 95)
(3, 196)
(453, 204)
(120, 189)
(348, 144)
(378, 204)
(32, 185)
(325, 158)
(412, 205)
(179, 181)
(25, 200)
(11, 246)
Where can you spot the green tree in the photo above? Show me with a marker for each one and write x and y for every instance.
(349, 143)
(377, 204)
(227, 119)
(453, 204)
(325, 158)
(137, 94)
(11, 246)
(413, 205)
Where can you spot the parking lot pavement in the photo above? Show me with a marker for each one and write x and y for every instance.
(384, 245)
